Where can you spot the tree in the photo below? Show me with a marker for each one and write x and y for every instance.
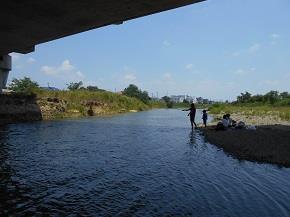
(92, 88)
(133, 91)
(272, 96)
(166, 99)
(25, 85)
(244, 97)
(257, 98)
(284, 95)
(185, 101)
(74, 85)
(144, 97)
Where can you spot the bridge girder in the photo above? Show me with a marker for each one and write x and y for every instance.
(24, 24)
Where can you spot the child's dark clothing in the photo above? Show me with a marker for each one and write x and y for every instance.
(204, 118)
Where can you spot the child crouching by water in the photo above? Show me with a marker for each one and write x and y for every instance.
(204, 117)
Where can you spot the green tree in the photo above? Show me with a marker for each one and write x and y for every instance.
(133, 91)
(144, 97)
(185, 101)
(272, 96)
(74, 85)
(92, 88)
(257, 98)
(166, 99)
(25, 85)
(244, 97)
(284, 95)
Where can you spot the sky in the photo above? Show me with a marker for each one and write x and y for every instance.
(214, 49)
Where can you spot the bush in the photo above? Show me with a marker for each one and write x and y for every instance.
(75, 85)
(25, 85)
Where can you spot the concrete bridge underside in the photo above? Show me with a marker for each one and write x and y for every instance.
(26, 23)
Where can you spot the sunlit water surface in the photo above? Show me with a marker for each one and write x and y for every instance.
(141, 164)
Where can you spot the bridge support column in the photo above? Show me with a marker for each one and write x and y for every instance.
(5, 67)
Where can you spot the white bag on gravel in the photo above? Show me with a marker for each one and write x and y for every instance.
(251, 127)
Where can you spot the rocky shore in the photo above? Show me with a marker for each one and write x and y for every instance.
(266, 144)
(267, 119)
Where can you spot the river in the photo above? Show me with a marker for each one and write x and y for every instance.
(138, 164)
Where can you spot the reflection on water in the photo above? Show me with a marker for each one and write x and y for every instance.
(143, 164)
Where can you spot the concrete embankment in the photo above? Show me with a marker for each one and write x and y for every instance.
(18, 108)
(268, 144)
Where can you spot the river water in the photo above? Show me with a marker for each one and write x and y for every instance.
(139, 164)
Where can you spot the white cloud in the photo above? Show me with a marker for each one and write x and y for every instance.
(66, 66)
(167, 78)
(166, 43)
(240, 72)
(189, 66)
(130, 77)
(48, 70)
(254, 48)
(275, 36)
(66, 71)
(31, 60)
(270, 82)
(236, 54)
(80, 74)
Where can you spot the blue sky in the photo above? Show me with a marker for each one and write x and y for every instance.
(215, 49)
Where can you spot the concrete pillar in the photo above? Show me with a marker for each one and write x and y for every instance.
(5, 67)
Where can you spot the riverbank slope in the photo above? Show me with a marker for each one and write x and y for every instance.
(267, 144)
(48, 105)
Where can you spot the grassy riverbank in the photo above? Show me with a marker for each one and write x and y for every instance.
(79, 99)
(80, 102)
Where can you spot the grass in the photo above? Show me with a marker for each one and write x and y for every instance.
(282, 112)
(112, 102)
(76, 99)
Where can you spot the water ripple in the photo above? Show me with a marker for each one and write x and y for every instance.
(143, 164)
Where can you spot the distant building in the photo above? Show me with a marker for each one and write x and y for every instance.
(201, 100)
(181, 98)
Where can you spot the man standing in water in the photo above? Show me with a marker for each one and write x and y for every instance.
(192, 113)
